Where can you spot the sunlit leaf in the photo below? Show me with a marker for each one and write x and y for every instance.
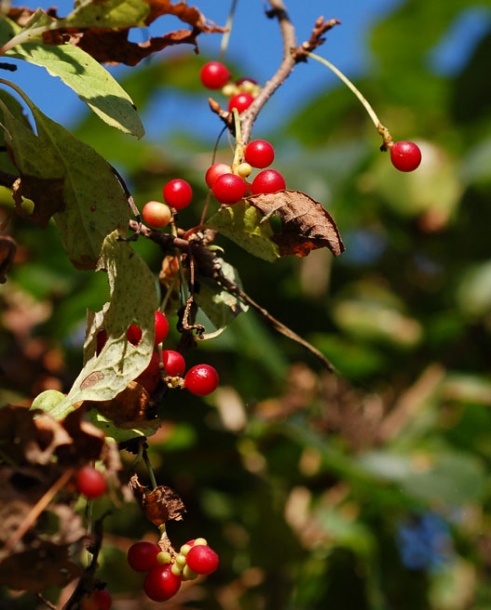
(66, 179)
(246, 226)
(133, 301)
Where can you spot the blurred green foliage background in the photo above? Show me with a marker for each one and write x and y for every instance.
(368, 489)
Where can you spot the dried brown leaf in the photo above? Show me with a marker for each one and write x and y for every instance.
(43, 565)
(305, 224)
(127, 409)
(160, 505)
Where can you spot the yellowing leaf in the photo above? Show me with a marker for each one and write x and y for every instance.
(246, 226)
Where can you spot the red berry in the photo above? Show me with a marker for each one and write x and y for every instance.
(259, 153)
(142, 556)
(156, 214)
(229, 188)
(268, 181)
(149, 378)
(215, 171)
(405, 156)
(245, 79)
(99, 599)
(201, 559)
(134, 334)
(241, 101)
(101, 341)
(174, 363)
(161, 327)
(201, 379)
(214, 75)
(161, 584)
(177, 193)
(91, 483)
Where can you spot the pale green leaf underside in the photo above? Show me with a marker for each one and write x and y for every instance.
(246, 226)
(93, 84)
(133, 299)
(220, 306)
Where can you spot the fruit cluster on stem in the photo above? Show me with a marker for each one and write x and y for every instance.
(165, 570)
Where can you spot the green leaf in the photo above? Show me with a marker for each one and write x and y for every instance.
(245, 225)
(220, 306)
(118, 434)
(112, 14)
(133, 300)
(448, 478)
(68, 179)
(93, 84)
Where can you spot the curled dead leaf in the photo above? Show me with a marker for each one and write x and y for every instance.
(160, 505)
(305, 224)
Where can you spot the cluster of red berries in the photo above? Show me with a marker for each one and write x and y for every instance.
(165, 572)
(177, 194)
(241, 93)
(229, 186)
(201, 379)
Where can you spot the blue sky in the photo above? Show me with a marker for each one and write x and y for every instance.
(255, 43)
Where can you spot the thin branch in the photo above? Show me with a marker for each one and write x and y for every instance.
(37, 509)
(278, 11)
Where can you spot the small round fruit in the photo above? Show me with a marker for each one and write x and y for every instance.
(161, 327)
(215, 171)
(174, 363)
(149, 378)
(101, 341)
(134, 334)
(268, 181)
(214, 75)
(241, 101)
(259, 153)
(201, 559)
(161, 584)
(229, 188)
(243, 170)
(405, 156)
(156, 214)
(142, 556)
(177, 193)
(201, 379)
(91, 483)
(99, 599)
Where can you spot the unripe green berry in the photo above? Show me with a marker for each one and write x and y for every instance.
(243, 170)
(164, 557)
(180, 560)
(199, 541)
(184, 550)
(188, 574)
(176, 570)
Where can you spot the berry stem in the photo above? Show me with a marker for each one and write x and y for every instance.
(239, 146)
(382, 130)
(228, 30)
(151, 473)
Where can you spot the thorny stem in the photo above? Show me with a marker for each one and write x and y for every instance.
(382, 130)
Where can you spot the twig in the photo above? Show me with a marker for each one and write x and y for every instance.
(37, 509)
(278, 11)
